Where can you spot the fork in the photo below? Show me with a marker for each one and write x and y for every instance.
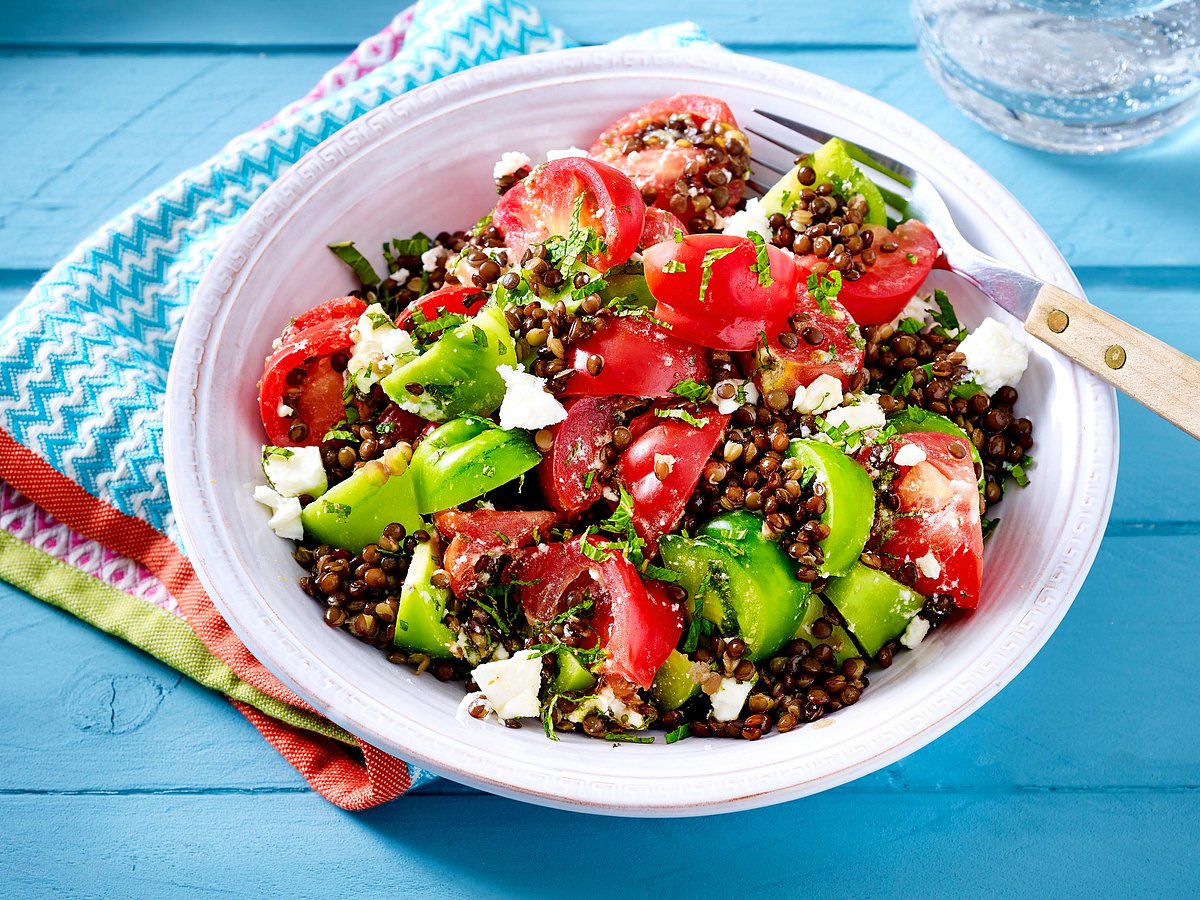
(1156, 375)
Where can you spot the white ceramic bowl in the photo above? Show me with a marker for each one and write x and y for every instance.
(424, 162)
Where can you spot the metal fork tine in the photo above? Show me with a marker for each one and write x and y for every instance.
(763, 164)
(758, 186)
(792, 151)
(878, 161)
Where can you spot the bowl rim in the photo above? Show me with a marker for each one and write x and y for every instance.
(333, 696)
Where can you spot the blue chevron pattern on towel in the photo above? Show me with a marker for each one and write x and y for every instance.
(84, 358)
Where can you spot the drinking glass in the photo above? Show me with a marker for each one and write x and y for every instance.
(1072, 76)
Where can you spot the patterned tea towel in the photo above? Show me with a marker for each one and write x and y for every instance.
(85, 520)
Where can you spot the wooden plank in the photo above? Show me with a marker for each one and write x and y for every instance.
(942, 845)
(83, 697)
(311, 23)
(94, 133)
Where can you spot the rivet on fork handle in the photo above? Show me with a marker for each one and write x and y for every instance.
(1114, 356)
(1057, 321)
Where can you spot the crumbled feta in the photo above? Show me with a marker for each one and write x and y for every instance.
(564, 154)
(665, 459)
(743, 392)
(527, 403)
(434, 257)
(285, 518)
(929, 566)
(379, 347)
(510, 162)
(821, 396)
(605, 703)
(997, 354)
(915, 632)
(293, 471)
(752, 218)
(909, 455)
(729, 699)
(284, 411)
(862, 416)
(511, 685)
(463, 713)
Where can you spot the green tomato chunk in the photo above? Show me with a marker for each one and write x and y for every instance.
(740, 581)
(419, 625)
(354, 512)
(672, 685)
(457, 375)
(832, 162)
(572, 675)
(876, 608)
(840, 640)
(466, 458)
(849, 502)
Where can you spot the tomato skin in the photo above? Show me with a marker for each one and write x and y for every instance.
(460, 299)
(702, 107)
(789, 369)
(938, 515)
(320, 405)
(659, 225)
(886, 287)
(736, 307)
(331, 310)
(634, 621)
(641, 359)
(656, 170)
(475, 534)
(658, 504)
(578, 440)
(543, 204)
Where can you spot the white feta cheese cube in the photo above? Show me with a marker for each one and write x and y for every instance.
(293, 471)
(821, 396)
(511, 685)
(729, 699)
(510, 162)
(527, 403)
(752, 218)
(379, 347)
(909, 455)
(859, 418)
(285, 518)
(928, 565)
(996, 354)
(915, 632)
(743, 392)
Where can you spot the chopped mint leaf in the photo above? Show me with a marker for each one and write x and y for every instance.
(281, 452)
(966, 389)
(337, 434)
(588, 479)
(912, 258)
(762, 261)
(627, 738)
(692, 390)
(341, 510)
(989, 525)
(679, 236)
(479, 336)
(710, 257)
(678, 734)
(349, 254)
(945, 317)
(910, 325)
(823, 288)
(903, 386)
(673, 266)
(682, 415)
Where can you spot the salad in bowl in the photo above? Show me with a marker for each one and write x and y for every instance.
(640, 454)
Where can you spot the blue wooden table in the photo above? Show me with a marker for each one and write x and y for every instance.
(119, 778)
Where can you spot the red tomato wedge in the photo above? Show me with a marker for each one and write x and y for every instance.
(659, 225)
(486, 532)
(658, 170)
(829, 344)
(450, 299)
(635, 622)
(543, 204)
(330, 311)
(299, 376)
(578, 440)
(683, 449)
(641, 359)
(885, 287)
(734, 305)
(937, 526)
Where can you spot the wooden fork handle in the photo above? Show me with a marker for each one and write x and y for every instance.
(1154, 374)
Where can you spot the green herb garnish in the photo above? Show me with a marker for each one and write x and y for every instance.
(762, 261)
(710, 257)
(350, 255)
(683, 415)
(692, 390)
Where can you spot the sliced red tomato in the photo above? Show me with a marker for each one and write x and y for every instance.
(734, 305)
(478, 533)
(659, 225)
(937, 526)
(641, 359)
(886, 287)
(568, 473)
(683, 449)
(460, 299)
(330, 311)
(828, 343)
(299, 376)
(636, 623)
(670, 170)
(543, 204)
